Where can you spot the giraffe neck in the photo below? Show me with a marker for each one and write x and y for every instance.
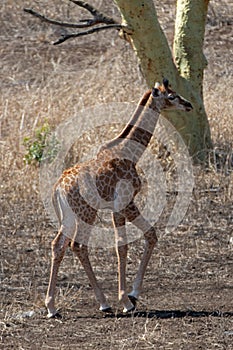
(133, 120)
(141, 132)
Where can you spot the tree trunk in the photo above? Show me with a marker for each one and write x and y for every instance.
(188, 41)
(185, 72)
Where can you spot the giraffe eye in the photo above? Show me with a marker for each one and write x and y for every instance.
(171, 97)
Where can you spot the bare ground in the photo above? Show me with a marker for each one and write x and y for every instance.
(187, 300)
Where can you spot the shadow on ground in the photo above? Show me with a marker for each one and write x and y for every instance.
(162, 314)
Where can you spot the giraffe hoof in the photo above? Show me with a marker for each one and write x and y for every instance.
(107, 310)
(126, 311)
(133, 300)
(54, 315)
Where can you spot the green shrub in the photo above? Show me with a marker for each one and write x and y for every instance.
(36, 145)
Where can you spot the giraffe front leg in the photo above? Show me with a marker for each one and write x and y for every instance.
(59, 246)
(133, 215)
(150, 241)
(121, 250)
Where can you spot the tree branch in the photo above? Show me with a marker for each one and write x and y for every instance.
(87, 32)
(98, 18)
(89, 22)
(102, 17)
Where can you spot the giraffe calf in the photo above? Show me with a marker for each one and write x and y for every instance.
(110, 181)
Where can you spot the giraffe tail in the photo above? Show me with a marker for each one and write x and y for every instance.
(64, 213)
(56, 205)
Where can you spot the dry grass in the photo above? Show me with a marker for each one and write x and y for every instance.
(193, 267)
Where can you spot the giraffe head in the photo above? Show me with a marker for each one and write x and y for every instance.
(164, 98)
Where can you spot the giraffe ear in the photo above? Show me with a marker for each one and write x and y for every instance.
(155, 92)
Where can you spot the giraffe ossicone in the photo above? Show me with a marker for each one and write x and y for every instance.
(110, 181)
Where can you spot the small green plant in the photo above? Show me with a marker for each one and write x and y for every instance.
(38, 143)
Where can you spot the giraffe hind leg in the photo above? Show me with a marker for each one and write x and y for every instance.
(67, 222)
(59, 246)
(79, 246)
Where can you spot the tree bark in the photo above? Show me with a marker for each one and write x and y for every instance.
(185, 71)
(188, 41)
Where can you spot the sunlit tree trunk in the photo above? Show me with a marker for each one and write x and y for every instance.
(184, 70)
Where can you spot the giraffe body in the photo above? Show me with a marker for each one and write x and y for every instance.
(110, 181)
